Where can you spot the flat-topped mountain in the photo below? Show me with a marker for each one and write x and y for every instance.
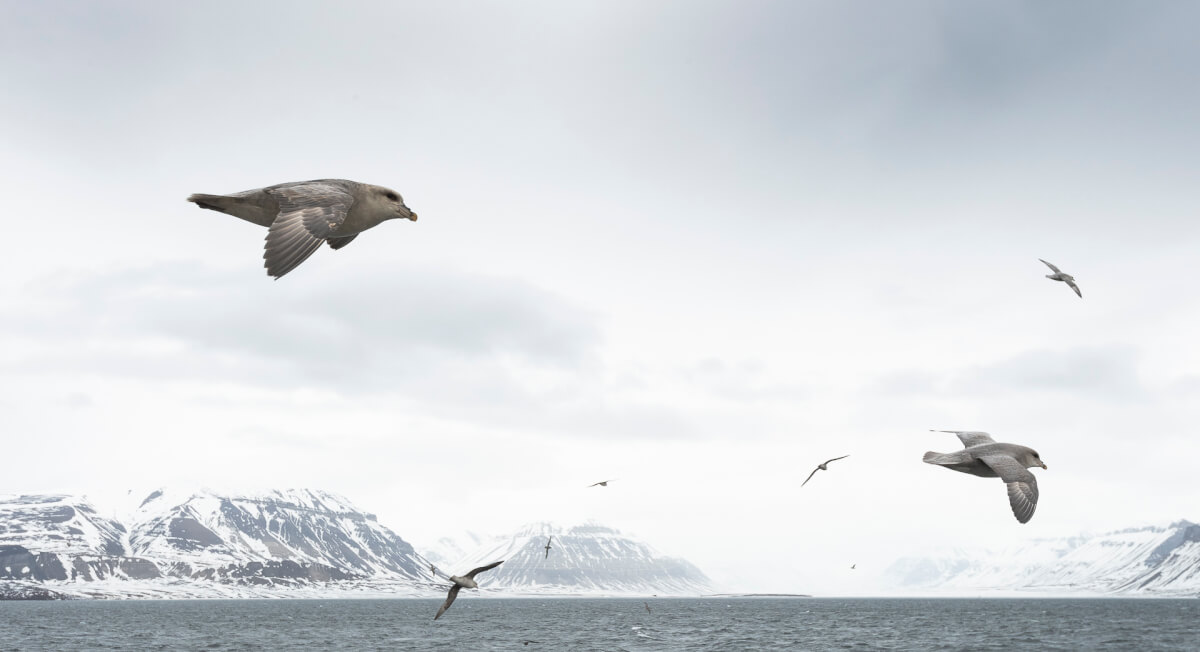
(588, 558)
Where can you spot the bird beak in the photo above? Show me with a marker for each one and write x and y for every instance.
(1044, 466)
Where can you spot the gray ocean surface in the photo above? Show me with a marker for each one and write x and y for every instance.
(605, 624)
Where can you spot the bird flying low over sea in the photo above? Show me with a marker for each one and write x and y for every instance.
(1058, 275)
(823, 466)
(465, 582)
(548, 546)
(299, 216)
(984, 457)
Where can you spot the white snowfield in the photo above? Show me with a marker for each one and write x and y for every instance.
(1156, 560)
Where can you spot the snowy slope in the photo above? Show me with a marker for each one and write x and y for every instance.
(590, 559)
(55, 537)
(62, 524)
(1161, 560)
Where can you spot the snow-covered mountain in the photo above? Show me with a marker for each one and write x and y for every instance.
(1162, 560)
(589, 558)
(200, 544)
(279, 536)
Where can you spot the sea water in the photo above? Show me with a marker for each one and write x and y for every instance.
(605, 624)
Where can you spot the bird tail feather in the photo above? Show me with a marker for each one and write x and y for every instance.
(213, 202)
(931, 458)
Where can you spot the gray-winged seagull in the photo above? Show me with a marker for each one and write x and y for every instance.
(465, 582)
(1058, 275)
(299, 216)
(823, 466)
(984, 457)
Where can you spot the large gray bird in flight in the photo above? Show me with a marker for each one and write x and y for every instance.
(984, 457)
(299, 216)
(465, 582)
(823, 466)
(1059, 275)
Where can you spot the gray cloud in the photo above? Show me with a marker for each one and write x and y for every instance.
(1093, 373)
(369, 329)
(1099, 373)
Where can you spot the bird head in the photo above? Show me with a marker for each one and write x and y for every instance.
(391, 202)
(1033, 459)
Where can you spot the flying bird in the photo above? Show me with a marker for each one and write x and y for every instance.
(823, 466)
(465, 582)
(647, 607)
(1058, 275)
(299, 216)
(548, 546)
(853, 566)
(433, 569)
(600, 484)
(984, 457)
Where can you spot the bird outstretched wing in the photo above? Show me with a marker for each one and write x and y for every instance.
(308, 213)
(1022, 485)
(970, 438)
(810, 475)
(476, 571)
(1052, 267)
(1074, 287)
(449, 601)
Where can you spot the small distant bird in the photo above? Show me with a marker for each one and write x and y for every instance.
(465, 582)
(853, 566)
(984, 457)
(822, 467)
(433, 569)
(548, 546)
(299, 216)
(528, 642)
(1058, 275)
(647, 607)
(600, 484)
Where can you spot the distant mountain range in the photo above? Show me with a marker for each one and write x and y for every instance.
(301, 543)
(1160, 561)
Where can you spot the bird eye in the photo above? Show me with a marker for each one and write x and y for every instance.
(391, 196)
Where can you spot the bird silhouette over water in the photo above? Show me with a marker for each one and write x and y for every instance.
(1059, 275)
(465, 582)
(301, 215)
(647, 607)
(822, 467)
(984, 457)
(548, 546)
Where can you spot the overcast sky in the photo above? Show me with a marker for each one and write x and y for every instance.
(697, 247)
